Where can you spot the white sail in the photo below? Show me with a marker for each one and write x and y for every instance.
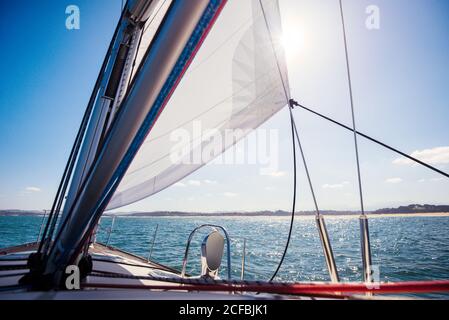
(237, 80)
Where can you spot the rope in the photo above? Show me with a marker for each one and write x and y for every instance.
(294, 199)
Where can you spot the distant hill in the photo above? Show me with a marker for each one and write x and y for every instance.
(413, 208)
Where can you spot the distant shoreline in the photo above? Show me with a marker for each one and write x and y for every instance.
(429, 214)
(249, 215)
(299, 215)
(398, 215)
(412, 210)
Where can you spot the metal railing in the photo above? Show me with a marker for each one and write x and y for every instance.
(110, 229)
(152, 243)
(242, 272)
(228, 245)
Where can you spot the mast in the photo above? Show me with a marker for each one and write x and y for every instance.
(110, 93)
(179, 36)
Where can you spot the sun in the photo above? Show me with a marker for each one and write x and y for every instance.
(292, 40)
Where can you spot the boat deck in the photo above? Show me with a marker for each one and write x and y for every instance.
(111, 267)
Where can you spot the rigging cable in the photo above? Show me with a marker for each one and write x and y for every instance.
(364, 229)
(292, 104)
(382, 144)
(292, 121)
(322, 230)
(306, 167)
(351, 97)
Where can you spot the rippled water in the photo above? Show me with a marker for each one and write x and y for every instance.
(403, 248)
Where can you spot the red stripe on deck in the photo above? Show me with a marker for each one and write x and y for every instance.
(299, 289)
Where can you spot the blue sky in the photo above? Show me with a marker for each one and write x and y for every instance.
(400, 75)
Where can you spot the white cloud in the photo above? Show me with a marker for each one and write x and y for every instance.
(33, 189)
(230, 194)
(335, 186)
(275, 174)
(439, 155)
(269, 188)
(195, 183)
(179, 184)
(431, 180)
(393, 180)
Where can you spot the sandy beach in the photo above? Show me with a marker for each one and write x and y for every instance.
(394, 215)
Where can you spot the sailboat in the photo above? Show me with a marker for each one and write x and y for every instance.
(172, 63)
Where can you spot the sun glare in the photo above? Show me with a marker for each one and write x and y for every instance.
(292, 40)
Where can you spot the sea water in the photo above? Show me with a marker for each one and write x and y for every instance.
(403, 248)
